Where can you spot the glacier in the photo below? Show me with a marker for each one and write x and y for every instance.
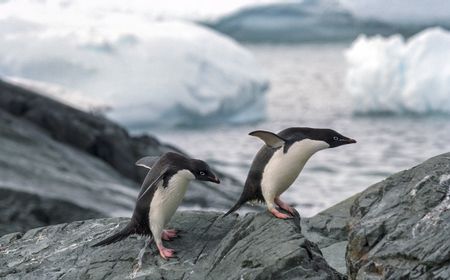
(397, 76)
(145, 71)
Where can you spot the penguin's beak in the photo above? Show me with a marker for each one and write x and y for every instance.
(214, 179)
(349, 141)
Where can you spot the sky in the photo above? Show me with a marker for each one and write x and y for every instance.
(73, 11)
(192, 9)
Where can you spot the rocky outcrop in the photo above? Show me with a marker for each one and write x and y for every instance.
(59, 164)
(256, 246)
(329, 230)
(396, 229)
(400, 227)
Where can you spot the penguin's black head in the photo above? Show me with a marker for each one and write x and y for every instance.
(335, 139)
(202, 172)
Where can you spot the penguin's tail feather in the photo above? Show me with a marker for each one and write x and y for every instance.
(234, 208)
(124, 233)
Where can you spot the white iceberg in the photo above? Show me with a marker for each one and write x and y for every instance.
(391, 75)
(150, 72)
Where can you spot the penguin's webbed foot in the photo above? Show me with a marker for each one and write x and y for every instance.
(286, 207)
(279, 215)
(166, 253)
(169, 234)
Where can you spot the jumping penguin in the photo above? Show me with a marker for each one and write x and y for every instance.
(161, 193)
(279, 162)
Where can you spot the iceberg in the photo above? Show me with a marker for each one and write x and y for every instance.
(146, 71)
(331, 20)
(401, 12)
(394, 76)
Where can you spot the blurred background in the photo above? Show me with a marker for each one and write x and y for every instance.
(200, 75)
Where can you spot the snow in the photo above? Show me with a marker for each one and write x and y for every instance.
(391, 75)
(148, 71)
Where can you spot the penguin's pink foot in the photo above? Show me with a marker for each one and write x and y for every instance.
(279, 215)
(283, 205)
(166, 253)
(172, 231)
(168, 235)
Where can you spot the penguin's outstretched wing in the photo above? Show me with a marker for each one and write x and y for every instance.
(271, 139)
(147, 162)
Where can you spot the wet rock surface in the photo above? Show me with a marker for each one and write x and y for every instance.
(401, 226)
(256, 246)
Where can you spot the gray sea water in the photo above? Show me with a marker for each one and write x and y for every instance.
(307, 89)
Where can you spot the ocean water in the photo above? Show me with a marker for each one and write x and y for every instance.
(307, 89)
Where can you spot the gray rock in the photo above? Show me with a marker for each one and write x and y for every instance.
(329, 230)
(256, 246)
(401, 226)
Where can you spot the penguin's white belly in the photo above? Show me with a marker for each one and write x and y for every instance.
(166, 200)
(283, 168)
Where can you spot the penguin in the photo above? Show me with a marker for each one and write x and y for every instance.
(161, 193)
(279, 162)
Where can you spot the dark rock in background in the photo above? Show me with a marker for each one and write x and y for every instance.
(90, 133)
(22, 211)
(256, 246)
(400, 227)
(52, 154)
(39, 175)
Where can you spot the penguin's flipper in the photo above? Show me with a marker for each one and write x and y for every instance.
(125, 232)
(270, 138)
(151, 185)
(147, 162)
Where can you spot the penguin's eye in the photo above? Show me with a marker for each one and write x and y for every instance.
(202, 173)
(335, 138)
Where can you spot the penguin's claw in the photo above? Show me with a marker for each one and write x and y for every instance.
(280, 215)
(166, 253)
(289, 209)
